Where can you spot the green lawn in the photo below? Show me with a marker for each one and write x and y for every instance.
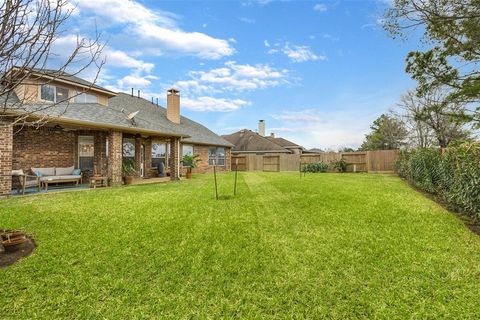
(323, 246)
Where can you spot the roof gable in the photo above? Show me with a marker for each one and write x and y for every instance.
(249, 141)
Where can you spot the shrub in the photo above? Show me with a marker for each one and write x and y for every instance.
(340, 165)
(453, 175)
(315, 167)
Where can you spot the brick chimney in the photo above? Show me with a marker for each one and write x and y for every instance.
(173, 105)
(261, 127)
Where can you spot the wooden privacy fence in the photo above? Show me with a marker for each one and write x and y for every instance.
(364, 161)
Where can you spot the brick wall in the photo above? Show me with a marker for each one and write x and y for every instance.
(43, 147)
(174, 158)
(6, 146)
(115, 157)
(50, 147)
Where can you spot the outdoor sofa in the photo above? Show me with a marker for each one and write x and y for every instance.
(57, 175)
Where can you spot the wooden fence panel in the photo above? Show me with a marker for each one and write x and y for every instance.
(289, 162)
(240, 161)
(357, 161)
(369, 161)
(271, 163)
(382, 160)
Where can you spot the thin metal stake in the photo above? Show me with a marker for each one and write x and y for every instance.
(235, 185)
(215, 178)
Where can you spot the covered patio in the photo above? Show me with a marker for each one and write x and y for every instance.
(41, 156)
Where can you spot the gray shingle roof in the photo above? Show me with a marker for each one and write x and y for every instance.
(68, 77)
(283, 142)
(158, 115)
(98, 115)
(248, 141)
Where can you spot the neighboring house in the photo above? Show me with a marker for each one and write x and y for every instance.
(289, 145)
(248, 142)
(96, 130)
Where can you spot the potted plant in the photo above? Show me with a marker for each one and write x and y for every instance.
(190, 161)
(128, 170)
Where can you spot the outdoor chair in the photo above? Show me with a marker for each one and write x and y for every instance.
(21, 181)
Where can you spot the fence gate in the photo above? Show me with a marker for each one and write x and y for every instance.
(239, 163)
(271, 163)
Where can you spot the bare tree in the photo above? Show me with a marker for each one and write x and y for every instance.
(28, 31)
(432, 118)
(420, 134)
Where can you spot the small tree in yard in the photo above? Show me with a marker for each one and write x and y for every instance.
(387, 133)
(28, 31)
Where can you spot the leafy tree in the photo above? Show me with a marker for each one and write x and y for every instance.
(451, 28)
(387, 133)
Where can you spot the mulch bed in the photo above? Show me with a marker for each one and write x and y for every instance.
(14, 245)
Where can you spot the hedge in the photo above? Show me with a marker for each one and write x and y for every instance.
(452, 174)
(315, 167)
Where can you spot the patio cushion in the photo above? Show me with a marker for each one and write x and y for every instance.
(18, 172)
(64, 171)
(60, 178)
(44, 171)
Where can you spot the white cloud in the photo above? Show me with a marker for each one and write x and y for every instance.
(234, 77)
(119, 58)
(266, 43)
(320, 7)
(157, 30)
(307, 115)
(301, 53)
(213, 104)
(133, 81)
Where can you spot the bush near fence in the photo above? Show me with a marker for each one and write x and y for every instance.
(452, 174)
(315, 167)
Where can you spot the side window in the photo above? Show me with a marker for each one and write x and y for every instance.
(47, 92)
(187, 150)
(220, 156)
(159, 153)
(212, 156)
(86, 98)
(61, 94)
(85, 152)
(53, 93)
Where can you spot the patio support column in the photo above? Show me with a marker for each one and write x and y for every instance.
(6, 152)
(115, 158)
(174, 158)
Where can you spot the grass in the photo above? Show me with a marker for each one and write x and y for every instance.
(324, 246)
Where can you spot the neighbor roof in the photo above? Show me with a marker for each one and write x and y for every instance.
(248, 141)
(283, 142)
(197, 133)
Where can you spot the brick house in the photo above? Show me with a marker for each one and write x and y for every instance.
(96, 130)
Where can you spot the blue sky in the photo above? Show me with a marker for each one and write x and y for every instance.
(318, 72)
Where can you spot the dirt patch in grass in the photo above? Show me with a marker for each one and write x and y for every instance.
(12, 253)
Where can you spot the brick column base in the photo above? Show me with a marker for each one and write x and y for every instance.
(115, 157)
(6, 151)
(174, 158)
